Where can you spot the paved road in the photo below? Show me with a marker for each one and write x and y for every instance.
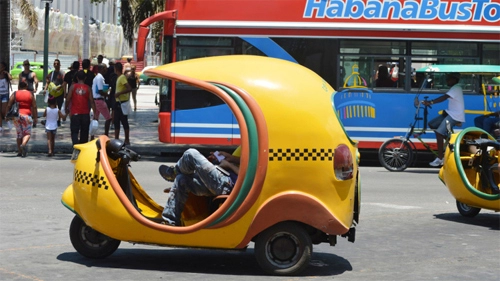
(409, 230)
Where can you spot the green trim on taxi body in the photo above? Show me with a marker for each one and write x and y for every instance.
(253, 154)
(460, 168)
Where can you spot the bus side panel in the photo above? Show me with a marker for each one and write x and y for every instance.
(372, 118)
(213, 125)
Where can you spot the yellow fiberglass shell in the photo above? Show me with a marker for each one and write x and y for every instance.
(289, 134)
(98, 199)
(463, 181)
(302, 133)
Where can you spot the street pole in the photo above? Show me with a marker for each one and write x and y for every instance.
(46, 43)
(86, 31)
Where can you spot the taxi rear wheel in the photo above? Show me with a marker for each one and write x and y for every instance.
(283, 249)
(466, 210)
(89, 242)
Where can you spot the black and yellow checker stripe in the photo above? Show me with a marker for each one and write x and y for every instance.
(298, 154)
(90, 179)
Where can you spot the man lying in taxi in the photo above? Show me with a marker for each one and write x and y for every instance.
(197, 174)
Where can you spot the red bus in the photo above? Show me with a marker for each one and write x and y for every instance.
(344, 41)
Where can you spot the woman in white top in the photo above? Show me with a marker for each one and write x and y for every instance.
(52, 114)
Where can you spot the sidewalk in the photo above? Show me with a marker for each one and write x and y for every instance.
(143, 132)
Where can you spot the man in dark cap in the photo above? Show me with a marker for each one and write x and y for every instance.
(69, 76)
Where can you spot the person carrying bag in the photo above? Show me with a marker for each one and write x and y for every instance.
(27, 116)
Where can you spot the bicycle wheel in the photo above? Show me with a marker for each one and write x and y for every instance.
(395, 155)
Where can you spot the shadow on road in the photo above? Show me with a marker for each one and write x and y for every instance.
(203, 261)
(415, 171)
(485, 220)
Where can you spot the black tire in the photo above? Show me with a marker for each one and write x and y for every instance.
(89, 242)
(466, 210)
(395, 155)
(152, 82)
(283, 249)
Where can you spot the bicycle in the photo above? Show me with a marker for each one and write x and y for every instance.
(399, 153)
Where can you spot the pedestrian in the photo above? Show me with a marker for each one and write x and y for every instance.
(193, 173)
(99, 93)
(95, 68)
(27, 116)
(110, 79)
(5, 86)
(453, 115)
(54, 85)
(69, 76)
(52, 114)
(133, 81)
(127, 66)
(122, 106)
(29, 77)
(78, 106)
(89, 75)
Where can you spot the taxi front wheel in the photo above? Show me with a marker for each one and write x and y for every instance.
(283, 249)
(89, 242)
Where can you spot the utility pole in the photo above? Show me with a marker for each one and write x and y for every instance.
(86, 31)
(46, 43)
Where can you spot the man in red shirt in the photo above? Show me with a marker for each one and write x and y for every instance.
(77, 105)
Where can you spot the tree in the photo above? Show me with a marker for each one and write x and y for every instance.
(143, 9)
(130, 21)
(27, 11)
(5, 31)
(146, 8)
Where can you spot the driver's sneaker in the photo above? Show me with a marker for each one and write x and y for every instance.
(436, 163)
(168, 172)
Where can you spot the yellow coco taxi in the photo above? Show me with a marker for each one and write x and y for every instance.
(298, 183)
(471, 171)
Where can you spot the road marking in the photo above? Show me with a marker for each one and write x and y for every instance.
(392, 206)
(33, 248)
(20, 275)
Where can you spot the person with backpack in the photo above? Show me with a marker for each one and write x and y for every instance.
(54, 85)
(5, 79)
(27, 118)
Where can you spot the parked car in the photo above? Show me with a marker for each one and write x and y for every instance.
(36, 67)
(144, 79)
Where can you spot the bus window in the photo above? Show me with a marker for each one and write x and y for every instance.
(366, 68)
(491, 54)
(469, 83)
(316, 54)
(189, 97)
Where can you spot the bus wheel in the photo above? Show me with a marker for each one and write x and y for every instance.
(89, 242)
(395, 155)
(283, 249)
(466, 210)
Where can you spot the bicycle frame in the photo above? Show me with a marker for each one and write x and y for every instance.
(411, 132)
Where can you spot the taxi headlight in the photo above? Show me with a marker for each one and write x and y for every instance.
(343, 163)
